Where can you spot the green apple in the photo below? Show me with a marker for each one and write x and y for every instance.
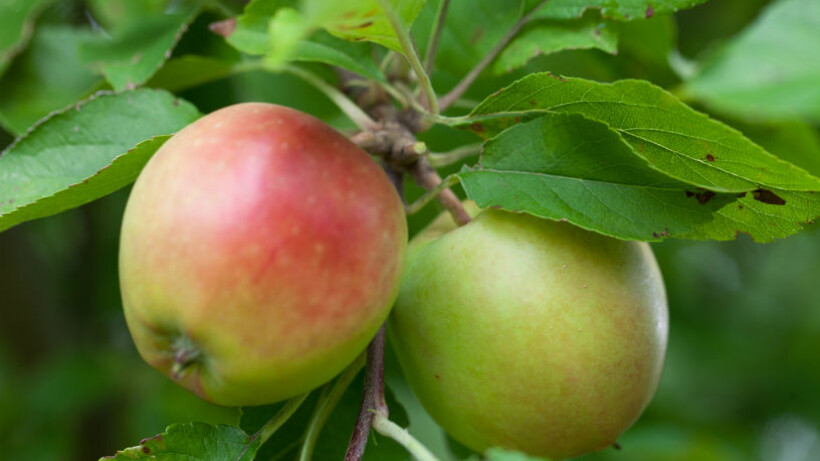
(530, 334)
(260, 252)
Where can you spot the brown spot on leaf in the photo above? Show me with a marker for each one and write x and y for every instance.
(533, 102)
(224, 28)
(478, 127)
(146, 450)
(740, 207)
(616, 446)
(768, 197)
(650, 11)
(702, 196)
(517, 119)
(355, 26)
(710, 157)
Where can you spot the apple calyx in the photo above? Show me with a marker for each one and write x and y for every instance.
(186, 354)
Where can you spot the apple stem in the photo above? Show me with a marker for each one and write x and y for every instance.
(428, 178)
(388, 428)
(431, 194)
(455, 155)
(373, 401)
(395, 143)
(401, 152)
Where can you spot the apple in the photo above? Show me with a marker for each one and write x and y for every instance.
(260, 252)
(530, 334)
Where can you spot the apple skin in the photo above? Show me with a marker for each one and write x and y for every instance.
(260, 252)
(530, 334)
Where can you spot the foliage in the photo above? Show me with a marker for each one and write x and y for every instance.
(669, 148)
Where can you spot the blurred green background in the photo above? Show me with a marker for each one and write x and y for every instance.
(741, 382)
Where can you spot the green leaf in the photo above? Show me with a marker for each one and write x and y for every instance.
(137, 50)
(766, 215)
(549, 36)
(614, 9)
(194, 442)
(563, 166)
(188, 71)
(326, 48)
(357, 20)
(673, 138)
(122, 171)
(85, 152)
(47, 77)
(16, 26)
(771, 70)
(473, 28)
(251, 33)
(254, 36)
